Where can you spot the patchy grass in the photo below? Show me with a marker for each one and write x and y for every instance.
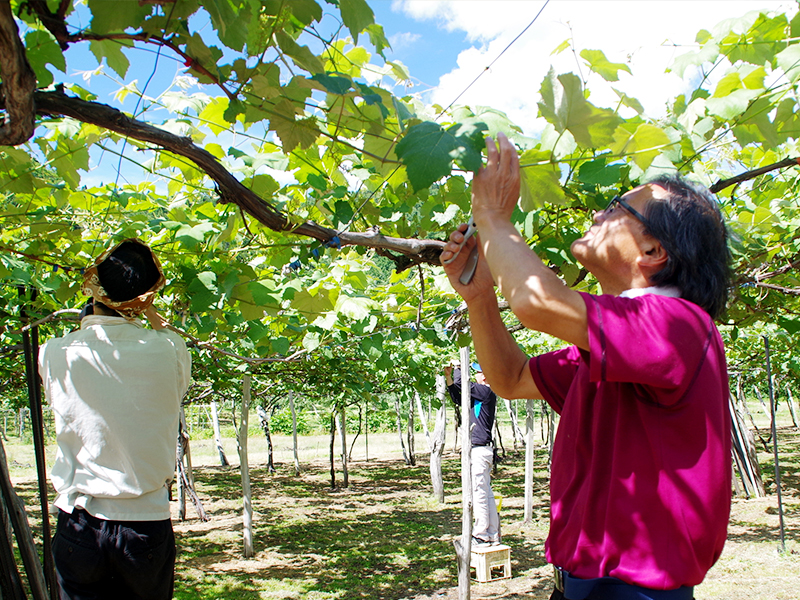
(385, 537)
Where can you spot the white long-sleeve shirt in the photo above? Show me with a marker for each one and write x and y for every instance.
(115, 389)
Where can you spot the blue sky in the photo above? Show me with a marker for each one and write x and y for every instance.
(448, 43)
(426, 48)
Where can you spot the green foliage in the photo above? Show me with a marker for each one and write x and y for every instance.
(288, 110)
(281, 422)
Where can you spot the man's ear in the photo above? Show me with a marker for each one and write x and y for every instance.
(653, 256)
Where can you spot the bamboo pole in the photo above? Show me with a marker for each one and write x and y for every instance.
(30, 342)
(181, 481)
(22, 530)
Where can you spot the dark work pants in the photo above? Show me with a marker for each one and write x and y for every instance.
(556, 595)
(123, 560)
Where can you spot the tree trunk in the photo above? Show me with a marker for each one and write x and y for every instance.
(551, 435)
(529, 456)
(366, 429)
(498, 443)
(332, 441)
(223, 460)
(792, 407)
(263, 418)
(400, 428)
(516, 432)
(187, 448)
(423, 417)
(355, 437)
(410, 433)
(438, 441)
(456, 429)
(763, 406)
(294, 434)
(247, 513)
(17, 125)
(185, 474)
(340, 426)
(466, 482)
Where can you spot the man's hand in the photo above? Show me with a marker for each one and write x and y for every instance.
(495, 188)
(481, 281)
(448, 375)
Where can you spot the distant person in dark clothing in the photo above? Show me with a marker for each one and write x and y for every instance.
(486, 523)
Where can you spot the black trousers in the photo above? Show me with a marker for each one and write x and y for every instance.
(124, 560)
(556, 595)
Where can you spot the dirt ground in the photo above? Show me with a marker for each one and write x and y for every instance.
(385, 537)
(754, 565)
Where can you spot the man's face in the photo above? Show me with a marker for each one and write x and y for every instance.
(612, 245)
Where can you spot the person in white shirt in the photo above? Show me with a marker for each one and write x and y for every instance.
(115, 389)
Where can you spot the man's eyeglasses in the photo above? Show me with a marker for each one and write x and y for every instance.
(636, 214)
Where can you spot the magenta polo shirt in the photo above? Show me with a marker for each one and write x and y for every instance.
(641, 479)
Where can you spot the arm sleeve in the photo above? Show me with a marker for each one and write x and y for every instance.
(554, 373)
(653, 341)
(455, 388)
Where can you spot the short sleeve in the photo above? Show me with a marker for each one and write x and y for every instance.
(554, 373)
(649, 340)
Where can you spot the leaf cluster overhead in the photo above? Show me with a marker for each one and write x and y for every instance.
(289, 188)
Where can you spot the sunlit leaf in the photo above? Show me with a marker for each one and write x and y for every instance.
(540, 183)
(356, 15)
(111, 50)
(43, 51)
(602, 66)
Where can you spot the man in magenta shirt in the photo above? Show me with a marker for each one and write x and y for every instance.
(641, 477)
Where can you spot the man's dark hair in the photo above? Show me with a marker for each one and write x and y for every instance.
(689, 225)
(128, 272)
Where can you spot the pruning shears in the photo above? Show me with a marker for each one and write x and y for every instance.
(472, 259)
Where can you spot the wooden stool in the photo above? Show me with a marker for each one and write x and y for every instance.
(485, 559)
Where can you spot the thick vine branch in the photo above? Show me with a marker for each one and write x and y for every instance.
(189, 61)
(757, 279)
(793, 264)
(779, 288)
(19, 81)
(23, 104)
(747, 175)
(230, 189)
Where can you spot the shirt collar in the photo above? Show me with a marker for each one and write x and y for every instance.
(667, 290)
(90, 320)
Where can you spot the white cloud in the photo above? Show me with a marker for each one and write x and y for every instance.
(403, 40)
(645, 35)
